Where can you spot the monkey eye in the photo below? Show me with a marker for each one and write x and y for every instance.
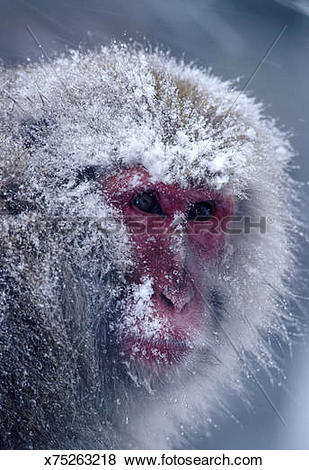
(147, 202)
(201, 211)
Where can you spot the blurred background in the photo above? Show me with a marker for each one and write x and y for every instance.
(231, 37)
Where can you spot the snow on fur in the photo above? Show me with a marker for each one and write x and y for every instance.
(66, 256)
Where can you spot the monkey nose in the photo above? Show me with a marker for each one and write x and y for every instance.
(176, 300)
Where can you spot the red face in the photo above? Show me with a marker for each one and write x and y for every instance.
(175, 234)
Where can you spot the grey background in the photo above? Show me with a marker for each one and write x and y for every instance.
(231, 36)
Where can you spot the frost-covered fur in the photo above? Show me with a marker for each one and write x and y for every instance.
(66, 260)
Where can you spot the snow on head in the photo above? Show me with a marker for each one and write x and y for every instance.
(121, 106)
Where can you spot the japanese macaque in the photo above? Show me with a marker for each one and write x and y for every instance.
(146, 211)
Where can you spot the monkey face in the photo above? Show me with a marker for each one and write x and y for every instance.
(176, 233)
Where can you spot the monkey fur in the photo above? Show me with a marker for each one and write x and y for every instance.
(66, 257)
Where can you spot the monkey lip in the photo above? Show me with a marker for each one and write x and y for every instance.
(160, 351)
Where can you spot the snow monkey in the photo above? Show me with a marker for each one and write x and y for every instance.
(145, 246)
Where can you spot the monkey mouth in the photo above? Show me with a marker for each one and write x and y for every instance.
(151, 331)
(155, 350)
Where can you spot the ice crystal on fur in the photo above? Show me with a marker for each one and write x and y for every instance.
(66, 256)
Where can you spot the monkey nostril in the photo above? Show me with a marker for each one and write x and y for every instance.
(176, 301)
(167, 300)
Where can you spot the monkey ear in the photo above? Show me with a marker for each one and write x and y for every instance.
(34, 132)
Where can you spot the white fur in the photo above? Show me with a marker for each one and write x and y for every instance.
(121, 107)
